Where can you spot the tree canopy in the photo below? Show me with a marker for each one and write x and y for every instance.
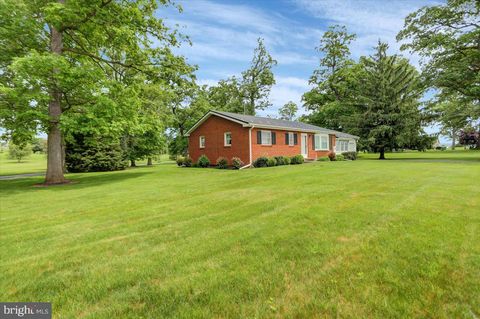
(62, 62)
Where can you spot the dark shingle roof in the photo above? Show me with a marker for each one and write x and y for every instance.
(265, 121)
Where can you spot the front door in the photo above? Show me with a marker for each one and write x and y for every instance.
(304, 145)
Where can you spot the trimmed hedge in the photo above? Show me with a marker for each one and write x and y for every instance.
(222, 162)
(180, 160)
(297, 159)
(203, 161)
(187, 161)
(262, 161)
(339, 157)
(237, 162)
(271, 162)
(282, 160)
(350, 155)
(331, 155)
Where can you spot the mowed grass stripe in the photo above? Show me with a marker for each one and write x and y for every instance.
(354, 239)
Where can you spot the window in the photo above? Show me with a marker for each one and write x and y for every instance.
(321, 142)
(202, 141)
(227, 139)
(266, 138)
(290, 139)
(342, 146)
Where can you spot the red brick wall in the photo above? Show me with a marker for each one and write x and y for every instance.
(280, 148)
(213, 129)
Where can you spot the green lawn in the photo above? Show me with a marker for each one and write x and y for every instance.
(388, 239)
(35, 163)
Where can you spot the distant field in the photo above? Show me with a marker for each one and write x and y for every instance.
(456, 155)
(364, 239)
(37, 163)
(34, 163)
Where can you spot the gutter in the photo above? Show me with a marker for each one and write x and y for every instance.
(249, 147)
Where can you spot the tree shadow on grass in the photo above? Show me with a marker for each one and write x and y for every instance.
(77, 181)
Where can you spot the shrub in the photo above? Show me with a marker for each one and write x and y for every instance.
(350, 155)
(237, 162)
(261, 162)
(203, 161)
(331, 155)
(286, 160)
(281, 160)
(91, 154)
(340, 157)
(297, 159)
(222, 162)
(271, 162)
(180, 160)
(187, 161)
(323, 159)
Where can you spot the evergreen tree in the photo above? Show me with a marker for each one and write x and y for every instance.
(390, 98)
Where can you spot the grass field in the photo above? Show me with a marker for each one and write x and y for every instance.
(388, 239)
(35, 163)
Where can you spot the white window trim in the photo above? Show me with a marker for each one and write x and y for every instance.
(200, 141)
(319, 147)
(225, 139)
(291, 139)
(262, 140)
(346, 145)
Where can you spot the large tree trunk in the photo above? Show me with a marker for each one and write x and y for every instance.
(55, 157)
(149, 161)
(132, 163)
(454, 133)
(382, 154)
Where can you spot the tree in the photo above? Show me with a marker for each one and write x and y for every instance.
(69, 50)
(39, 145)
(333, 99)
(227, 96)
(453, 114)
(470, 137)
(147, 138)
(18, 152)
(288, 111)
(390, 95)
(447, 36)
(257, 81)
(87, 153)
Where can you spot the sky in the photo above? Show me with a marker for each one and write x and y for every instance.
(224, 32)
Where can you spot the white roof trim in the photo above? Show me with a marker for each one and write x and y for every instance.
(210, 113)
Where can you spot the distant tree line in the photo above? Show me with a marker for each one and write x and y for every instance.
(102, 81)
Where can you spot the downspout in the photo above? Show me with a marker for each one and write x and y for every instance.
(249, 148)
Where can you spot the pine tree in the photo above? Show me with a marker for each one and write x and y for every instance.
(390, 96)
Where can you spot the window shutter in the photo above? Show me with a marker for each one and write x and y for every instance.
(259, 137)
(274, 138)
(286, 138)
(313, 142)
(295, 139)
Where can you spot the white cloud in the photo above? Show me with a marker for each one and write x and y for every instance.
(230, 15)
(370, 20)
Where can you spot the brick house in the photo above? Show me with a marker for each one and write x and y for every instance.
(249, 137)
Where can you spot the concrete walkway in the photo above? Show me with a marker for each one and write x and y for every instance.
(17, 176)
